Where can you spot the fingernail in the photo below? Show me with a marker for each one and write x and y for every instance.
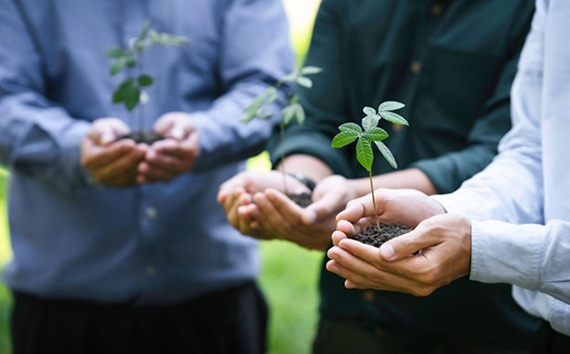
(177, 134)
(310, 217)
(387, 251)
(106, 138)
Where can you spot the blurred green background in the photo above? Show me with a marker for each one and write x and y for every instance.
(290, 273)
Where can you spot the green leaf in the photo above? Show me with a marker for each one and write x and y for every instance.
(343, 138)
(387, 154)
(376, 134)
(116, 53)
(369, 111)
(394, 118)
(117, 66)
(131, 94)
(350, 127)
(299, 114)
(364, 153)
(370, 122)
(131, 63)
(390, 106)
(271, 94)
(288, 114)
(144, 30)
(305, 82)
(289, 78)
(145, 80)
(311, 70)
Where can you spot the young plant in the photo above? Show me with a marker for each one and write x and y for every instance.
(293, 110)
(130, 91)
(370, 134)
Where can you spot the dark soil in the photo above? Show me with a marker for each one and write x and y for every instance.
(303, 200)
(148, 137)
(374, 237)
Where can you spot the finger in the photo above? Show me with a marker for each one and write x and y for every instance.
(408, 244)
(151, 174)
(322, 209)
(366, 253)
(338, 236)
(289, 210)
(106, 130)
(365, 275)
(96, 157)
(349, 284)
(251, 210)
(269, 218)
(228, 186)
(165, 162)
(164, 124)
(125, 165)
(230, 202)
(355, 278)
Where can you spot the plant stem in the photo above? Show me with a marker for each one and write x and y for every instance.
(281, 147)
(374, 200)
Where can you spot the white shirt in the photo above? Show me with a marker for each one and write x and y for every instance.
(520, 204)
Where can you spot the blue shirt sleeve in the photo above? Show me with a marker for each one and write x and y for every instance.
(38, 138)
(255, 54)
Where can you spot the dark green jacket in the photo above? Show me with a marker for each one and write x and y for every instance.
(452, 63)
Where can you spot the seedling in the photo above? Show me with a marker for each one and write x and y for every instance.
(293, 109)
(130, 91)
(368, 134)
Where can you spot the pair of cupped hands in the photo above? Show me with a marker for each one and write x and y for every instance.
(256, 205)
(123, 163)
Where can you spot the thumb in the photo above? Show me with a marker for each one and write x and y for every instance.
(321, 209)
(406, 245)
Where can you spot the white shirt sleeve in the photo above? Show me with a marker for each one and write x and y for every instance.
(510, 190)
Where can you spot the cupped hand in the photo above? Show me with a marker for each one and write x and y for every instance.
(111, 162)
(176, 154)
(445, 242)
(404, 207)
(236, 194)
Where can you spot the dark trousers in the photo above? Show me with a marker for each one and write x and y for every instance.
(548, 341)
(340, 337)
(232, 321)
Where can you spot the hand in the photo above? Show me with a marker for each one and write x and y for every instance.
(239, 190)
(404, 207)
(445, 244)
(174, 155)
(111, 162)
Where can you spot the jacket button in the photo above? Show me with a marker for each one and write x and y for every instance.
(369, 295)
(436, 9)
(416, 67)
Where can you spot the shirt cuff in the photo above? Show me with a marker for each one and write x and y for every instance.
(71, 152)
(506, 253)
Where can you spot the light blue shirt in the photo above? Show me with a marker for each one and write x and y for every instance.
(154, 243)
(520, 204)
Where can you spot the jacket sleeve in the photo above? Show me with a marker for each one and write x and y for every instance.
(447, 172)
(325, 104)
(38, 138)
(255, 54)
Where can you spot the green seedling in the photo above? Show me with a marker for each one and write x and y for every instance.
(370, 134)
(130, 91)
(293, 110)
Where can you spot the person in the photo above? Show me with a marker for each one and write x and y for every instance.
(106, 258)
(455, 75)
(508, 224)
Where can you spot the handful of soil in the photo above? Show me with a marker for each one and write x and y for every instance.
(148, 137)
(303, 200)
(377, 237)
